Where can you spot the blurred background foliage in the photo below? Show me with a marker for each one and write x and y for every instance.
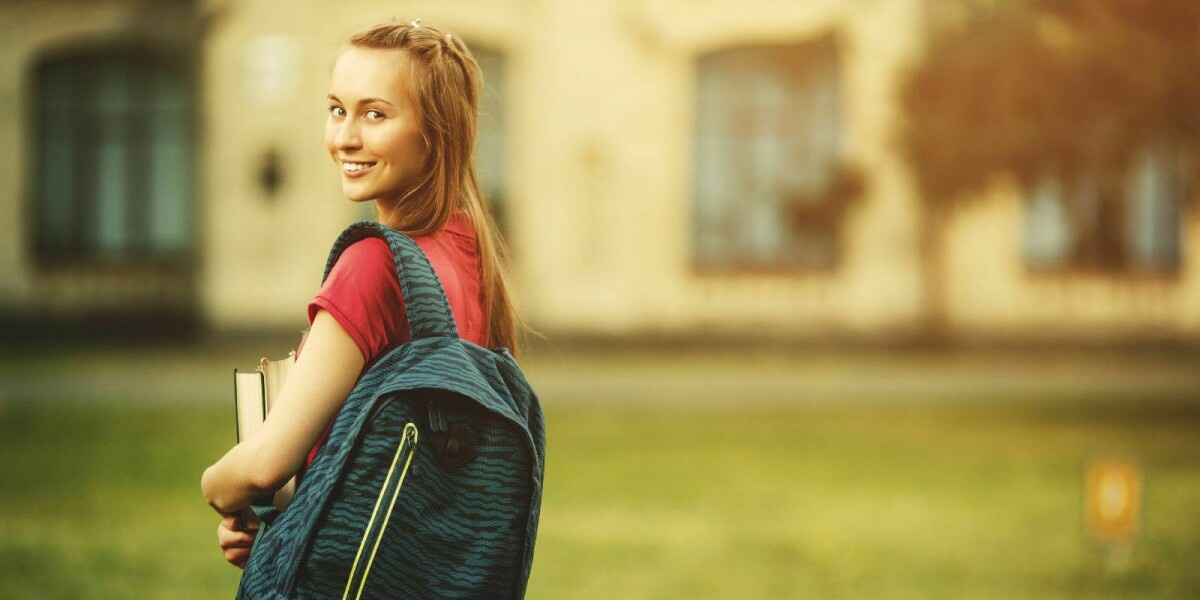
(1062, 88)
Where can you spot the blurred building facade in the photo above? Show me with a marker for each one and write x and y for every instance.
(660, 168)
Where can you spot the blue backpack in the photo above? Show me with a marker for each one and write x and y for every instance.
(430, 482)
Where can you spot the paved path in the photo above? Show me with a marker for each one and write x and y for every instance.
(616, 375)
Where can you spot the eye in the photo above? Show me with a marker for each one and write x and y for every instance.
(374, 115)
(337, 111)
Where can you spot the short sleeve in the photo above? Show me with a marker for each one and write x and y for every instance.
(362, 293)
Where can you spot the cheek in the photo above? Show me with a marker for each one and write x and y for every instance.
(401, 147)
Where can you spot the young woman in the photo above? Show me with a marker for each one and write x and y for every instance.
(403, 109)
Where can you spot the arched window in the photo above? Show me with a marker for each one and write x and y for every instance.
(766, 160)
(113, 176)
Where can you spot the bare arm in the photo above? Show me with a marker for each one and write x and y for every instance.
(323, 376)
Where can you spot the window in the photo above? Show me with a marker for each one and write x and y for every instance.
(490, 157)
(113, 173)
(1133, 226)
(766, 158)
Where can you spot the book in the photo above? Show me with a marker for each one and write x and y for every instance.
(254, 396)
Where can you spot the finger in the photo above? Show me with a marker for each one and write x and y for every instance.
(232, 522)
(235, 541)
(228, 538)
(237, 557)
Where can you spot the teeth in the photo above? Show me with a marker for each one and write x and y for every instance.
(355, 166)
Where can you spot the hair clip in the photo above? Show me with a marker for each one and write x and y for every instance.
(449, 36)
(416, 23)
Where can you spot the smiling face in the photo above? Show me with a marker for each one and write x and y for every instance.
(373, 131)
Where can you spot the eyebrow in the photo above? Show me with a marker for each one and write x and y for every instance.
(363, 100)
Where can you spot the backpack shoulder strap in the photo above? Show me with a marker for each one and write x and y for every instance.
(425, 302)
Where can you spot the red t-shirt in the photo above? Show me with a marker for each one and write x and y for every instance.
(362, 292)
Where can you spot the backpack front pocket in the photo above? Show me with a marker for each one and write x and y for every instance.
(385, 502)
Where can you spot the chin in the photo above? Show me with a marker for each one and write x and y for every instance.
(355, 193)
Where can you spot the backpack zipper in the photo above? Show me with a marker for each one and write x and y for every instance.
(404, 456)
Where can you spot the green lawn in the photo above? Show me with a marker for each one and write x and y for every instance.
(852, 501)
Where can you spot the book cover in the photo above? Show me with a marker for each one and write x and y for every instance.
(255, 393)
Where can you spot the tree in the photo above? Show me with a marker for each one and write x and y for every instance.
(1069, 90)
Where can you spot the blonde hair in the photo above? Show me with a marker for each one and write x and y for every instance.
(446, 82)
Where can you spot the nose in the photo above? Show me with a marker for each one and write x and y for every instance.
(347, 135)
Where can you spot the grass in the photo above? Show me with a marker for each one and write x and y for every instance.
(103, 502)
(954, 500)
